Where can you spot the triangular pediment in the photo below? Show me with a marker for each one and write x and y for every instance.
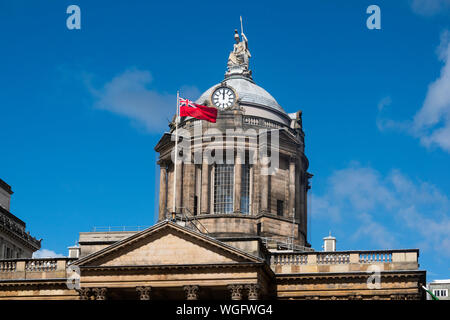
(166, 244)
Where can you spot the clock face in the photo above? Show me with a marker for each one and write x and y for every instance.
(223, 97)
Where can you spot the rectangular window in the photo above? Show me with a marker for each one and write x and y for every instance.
(440, 292)
(280, 208)
(223, 188)
(245, 189)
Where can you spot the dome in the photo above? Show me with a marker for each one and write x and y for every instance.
(255, 100)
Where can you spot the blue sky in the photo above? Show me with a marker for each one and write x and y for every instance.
(81, 110)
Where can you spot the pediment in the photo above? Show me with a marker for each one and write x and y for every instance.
(166, 244)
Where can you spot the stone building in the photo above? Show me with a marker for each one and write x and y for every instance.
(232, 220)
(15, 241)
(440, 289)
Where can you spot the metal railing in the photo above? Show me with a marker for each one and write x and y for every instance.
(119, 228)
(187, 219)
(287, 244)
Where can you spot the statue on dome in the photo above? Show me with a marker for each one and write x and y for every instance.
(238, 60)
(240, 54)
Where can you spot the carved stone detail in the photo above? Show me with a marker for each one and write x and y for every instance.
(144, 292)
(84, 293)
(192, 292)
(100, 293)
(236, 291)
(253, 291)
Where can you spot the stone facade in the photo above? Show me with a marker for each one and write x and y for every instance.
(15, 241)
(227, 229)
(440, 289)
(169, 261)
(287, 188)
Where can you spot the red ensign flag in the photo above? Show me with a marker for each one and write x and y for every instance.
(191, 109)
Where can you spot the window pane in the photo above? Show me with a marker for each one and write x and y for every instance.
(245, 189)
(223, 188)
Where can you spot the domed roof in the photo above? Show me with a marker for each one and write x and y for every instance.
(255, 101)
(248, 93)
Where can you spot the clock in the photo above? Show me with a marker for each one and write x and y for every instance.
(223, 97)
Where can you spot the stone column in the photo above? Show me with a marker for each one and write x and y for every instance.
(204, 206)
(253, 291)
(237, 185)
(100, 293)
(236, 291)
(192, 292)
(291, 205)
(179, 186)
(84, 293)
(144, 292)
(264, 187)
(188, 188)
(162, 191)
(298, 186)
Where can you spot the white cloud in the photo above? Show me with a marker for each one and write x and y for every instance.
(45, 253)
(324, 209)
(432, 121)
(375, 232)
(431, 124)
(386, 101)
(429, 7)
(129, 94)
(377, 206)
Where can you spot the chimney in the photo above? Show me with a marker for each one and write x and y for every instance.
(329, 243)
(74, 252)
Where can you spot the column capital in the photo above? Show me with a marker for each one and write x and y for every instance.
(293, 159)
(192, 292)
(84, 293)
(100, 293)
(236, 291)
(253, 291)
(144, 292)
(163, 163)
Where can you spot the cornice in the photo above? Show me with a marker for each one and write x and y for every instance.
(292, 277)
(6, 187)
(235, 265)
(25, 239)
(33, 282)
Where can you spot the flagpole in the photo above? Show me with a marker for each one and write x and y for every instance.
(176, 157)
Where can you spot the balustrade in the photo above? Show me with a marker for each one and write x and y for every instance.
(373, 257)
(7, 266)
(333, 258)
(40, 265)
(289, 259)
